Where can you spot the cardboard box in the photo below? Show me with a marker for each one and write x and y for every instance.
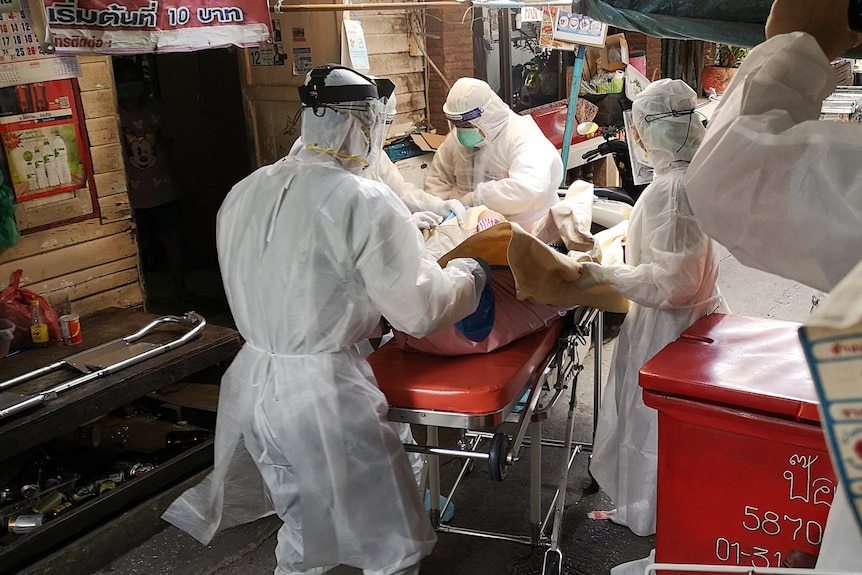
(413, 169)
(428, 141)
(615, 53)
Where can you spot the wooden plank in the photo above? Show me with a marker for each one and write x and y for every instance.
(107, 158)
(388, 64)
(109, 183)
(60, 237)
(114, 207)
(101, 131)
(388, 44)
(387, 22)
(99, 103)
(57, 263)
(56, 208)
(89, 281)
(89, 58)
(408, 82)
(96, 75)
(127, 297)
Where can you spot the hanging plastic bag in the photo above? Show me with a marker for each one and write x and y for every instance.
(8, 230)
(15, 306)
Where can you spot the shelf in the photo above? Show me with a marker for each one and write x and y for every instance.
(27, 548)
(77, 406)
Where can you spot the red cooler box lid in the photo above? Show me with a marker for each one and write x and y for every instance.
(750, 363)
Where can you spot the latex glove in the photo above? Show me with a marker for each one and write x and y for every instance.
(469, 199)
(426, 220)
(478, 325)
(593, 274)
(450, 207)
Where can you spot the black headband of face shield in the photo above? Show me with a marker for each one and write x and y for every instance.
(316, 93)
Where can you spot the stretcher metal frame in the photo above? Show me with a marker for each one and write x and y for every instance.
(505, 431)
(101, 360)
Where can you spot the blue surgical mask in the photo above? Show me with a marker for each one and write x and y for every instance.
(469, 137)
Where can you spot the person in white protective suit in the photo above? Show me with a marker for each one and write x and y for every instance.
(428, 210)
(494, 157)
(793, 205)
(311, 254)
(671, 276)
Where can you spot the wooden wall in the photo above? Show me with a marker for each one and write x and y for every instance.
(92, 264)
(392, 40)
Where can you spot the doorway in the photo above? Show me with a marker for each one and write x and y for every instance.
(200, 95)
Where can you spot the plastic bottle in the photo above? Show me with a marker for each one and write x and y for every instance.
(50, 164)
(61, 156)
(30, 174)
(39, 166)
(38, 325)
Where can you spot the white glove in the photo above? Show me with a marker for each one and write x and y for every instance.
(426, 220)
(450, 206)
(593, 274)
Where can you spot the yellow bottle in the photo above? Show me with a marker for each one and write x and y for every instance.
(38, 325)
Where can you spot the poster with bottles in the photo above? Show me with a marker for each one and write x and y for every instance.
(42, 142)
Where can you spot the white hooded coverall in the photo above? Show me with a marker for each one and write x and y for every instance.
(515, 171)
(310, 255)
(384, 170)
(670, 276)
(783, 192)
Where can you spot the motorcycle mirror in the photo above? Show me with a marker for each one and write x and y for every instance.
(587, 128)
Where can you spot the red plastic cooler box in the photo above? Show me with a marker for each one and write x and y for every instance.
(744, 475)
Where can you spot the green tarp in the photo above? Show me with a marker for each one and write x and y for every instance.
(735, 22)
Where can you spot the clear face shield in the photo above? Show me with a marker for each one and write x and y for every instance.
(673, 135)
(357, 106)
(465, 129)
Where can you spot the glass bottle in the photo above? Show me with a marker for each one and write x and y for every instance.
(38, 325)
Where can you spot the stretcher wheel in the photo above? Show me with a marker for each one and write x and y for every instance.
(553, 564)
(497, 452)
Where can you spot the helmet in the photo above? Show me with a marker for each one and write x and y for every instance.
(334, 84)
(342, 114)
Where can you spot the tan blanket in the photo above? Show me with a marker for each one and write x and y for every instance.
(542, 275)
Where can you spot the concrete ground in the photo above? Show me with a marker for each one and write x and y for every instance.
(588, 546)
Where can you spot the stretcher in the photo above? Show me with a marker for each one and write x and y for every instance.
(99, 361)
(497, 400)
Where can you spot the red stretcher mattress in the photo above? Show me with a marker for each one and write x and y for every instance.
(469, 384)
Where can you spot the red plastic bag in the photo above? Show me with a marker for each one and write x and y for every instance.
(15, 306)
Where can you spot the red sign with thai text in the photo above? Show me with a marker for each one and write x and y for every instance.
(139, 26)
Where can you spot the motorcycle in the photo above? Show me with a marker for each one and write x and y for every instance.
(618, 149)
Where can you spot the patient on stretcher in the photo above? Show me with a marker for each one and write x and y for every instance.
(533, 273)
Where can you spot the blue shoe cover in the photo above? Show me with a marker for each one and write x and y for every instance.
(450, 511)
